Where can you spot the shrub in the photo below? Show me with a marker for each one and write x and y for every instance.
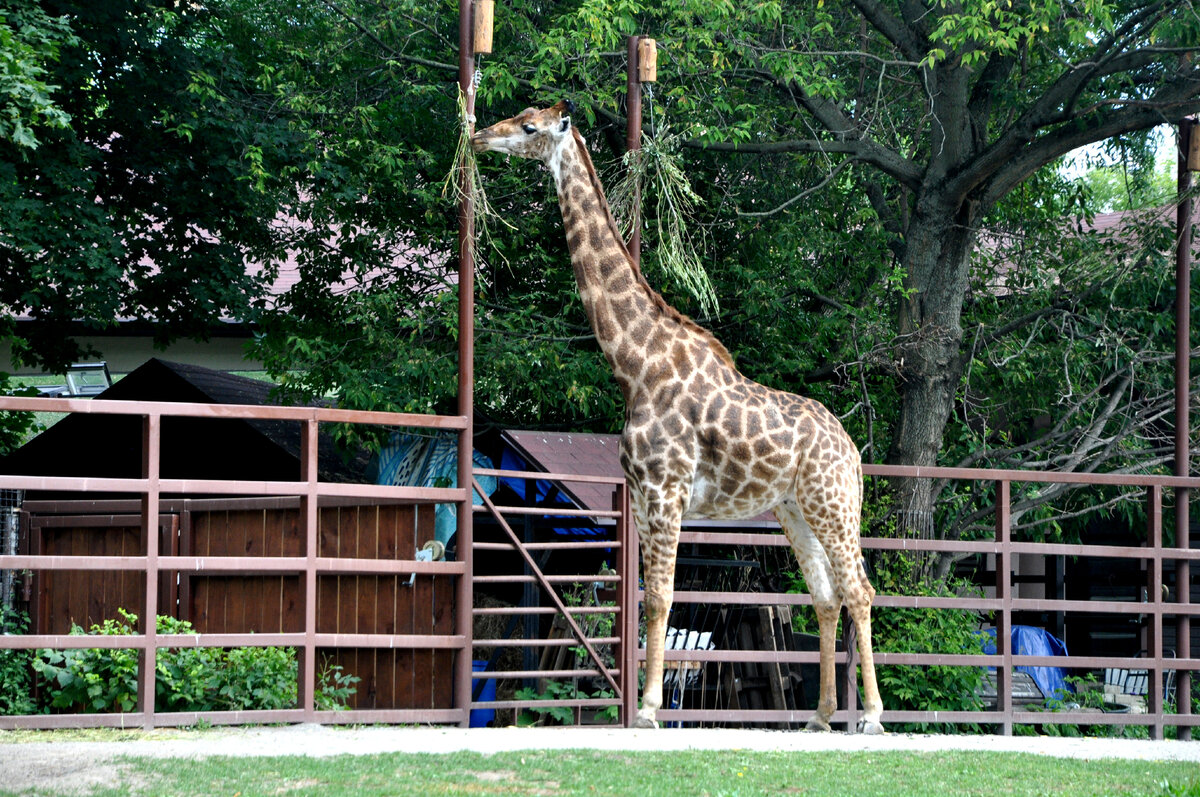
(186, 679)
(950, 631)
(16, 668)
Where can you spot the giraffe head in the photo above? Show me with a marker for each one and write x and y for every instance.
(530, 134)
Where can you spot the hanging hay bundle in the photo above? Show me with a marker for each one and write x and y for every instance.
(463, 182)
(654, 176)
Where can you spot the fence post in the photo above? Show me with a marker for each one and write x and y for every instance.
(1154, 599)
(628, 536)
(309, 519)
(1004, 617)
(148, 660)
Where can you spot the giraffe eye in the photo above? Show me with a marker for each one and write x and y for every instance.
(529, 129)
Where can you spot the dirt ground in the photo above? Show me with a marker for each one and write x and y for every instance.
(65, 767)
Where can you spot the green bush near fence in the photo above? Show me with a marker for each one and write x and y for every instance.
(16, 673)
(97, 680)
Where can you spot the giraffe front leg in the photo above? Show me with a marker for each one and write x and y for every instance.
(659, 543)
(658, 608)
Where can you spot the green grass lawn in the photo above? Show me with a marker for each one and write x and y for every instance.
(691, 773)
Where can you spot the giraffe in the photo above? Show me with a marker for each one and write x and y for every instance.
(700, 439)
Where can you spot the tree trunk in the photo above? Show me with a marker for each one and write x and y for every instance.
(936, 259)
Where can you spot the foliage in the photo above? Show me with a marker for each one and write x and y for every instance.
(186, 679)
(1089, 694)
(653, 180)
(16, 670)
(29, 40)
(594, 625)
(95, 679)
(951, 631)
(851, 166)
(16, 427)
(335, 687)
(127, 211)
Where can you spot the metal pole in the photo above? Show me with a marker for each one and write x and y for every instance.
(147, 660)
(466, 369)
(310, 522)
(1183, 288)
(633, 141)
(1004, 702)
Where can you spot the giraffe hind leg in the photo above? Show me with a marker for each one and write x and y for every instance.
(818, 576)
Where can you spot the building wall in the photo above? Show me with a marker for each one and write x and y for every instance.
(125, 353)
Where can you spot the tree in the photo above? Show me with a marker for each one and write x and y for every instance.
(848, 161)
(29, 39)
(133, 201)
(951, 107)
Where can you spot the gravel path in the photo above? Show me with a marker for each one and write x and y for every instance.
(72, 767)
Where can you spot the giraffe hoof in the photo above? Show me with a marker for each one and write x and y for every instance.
(818, 725)
(644, 721)
(871, 728)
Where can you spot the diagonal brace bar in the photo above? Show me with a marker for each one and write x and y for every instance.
(541, 578)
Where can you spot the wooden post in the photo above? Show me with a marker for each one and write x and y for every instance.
(484, 17)
(647, 62)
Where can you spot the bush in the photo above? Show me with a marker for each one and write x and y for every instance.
(186, 679)
(950, 631)
(16, 668)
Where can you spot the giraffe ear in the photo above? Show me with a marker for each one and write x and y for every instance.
(564, 124)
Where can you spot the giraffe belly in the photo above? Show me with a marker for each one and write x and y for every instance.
(707, 501)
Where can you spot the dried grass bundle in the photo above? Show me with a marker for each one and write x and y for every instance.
(655, 173)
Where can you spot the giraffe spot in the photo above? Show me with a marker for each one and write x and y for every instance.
(733, 420)
(754, 424)
(621, 283)
(763, 472)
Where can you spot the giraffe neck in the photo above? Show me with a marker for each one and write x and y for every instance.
(624, 311)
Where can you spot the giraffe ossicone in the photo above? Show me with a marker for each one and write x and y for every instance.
(700, 439)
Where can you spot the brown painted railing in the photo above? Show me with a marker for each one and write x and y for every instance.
(310, 491)
(622, 676)
(1156, 610)
(619, 676)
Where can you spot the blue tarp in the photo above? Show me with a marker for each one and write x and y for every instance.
(429, 461)
(541, 492)
(1030, 641)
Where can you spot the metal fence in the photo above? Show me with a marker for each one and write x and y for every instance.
(607, 653)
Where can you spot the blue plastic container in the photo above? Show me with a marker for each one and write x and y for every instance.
(480, 717)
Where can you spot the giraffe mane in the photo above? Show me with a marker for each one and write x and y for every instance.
(659, 302)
